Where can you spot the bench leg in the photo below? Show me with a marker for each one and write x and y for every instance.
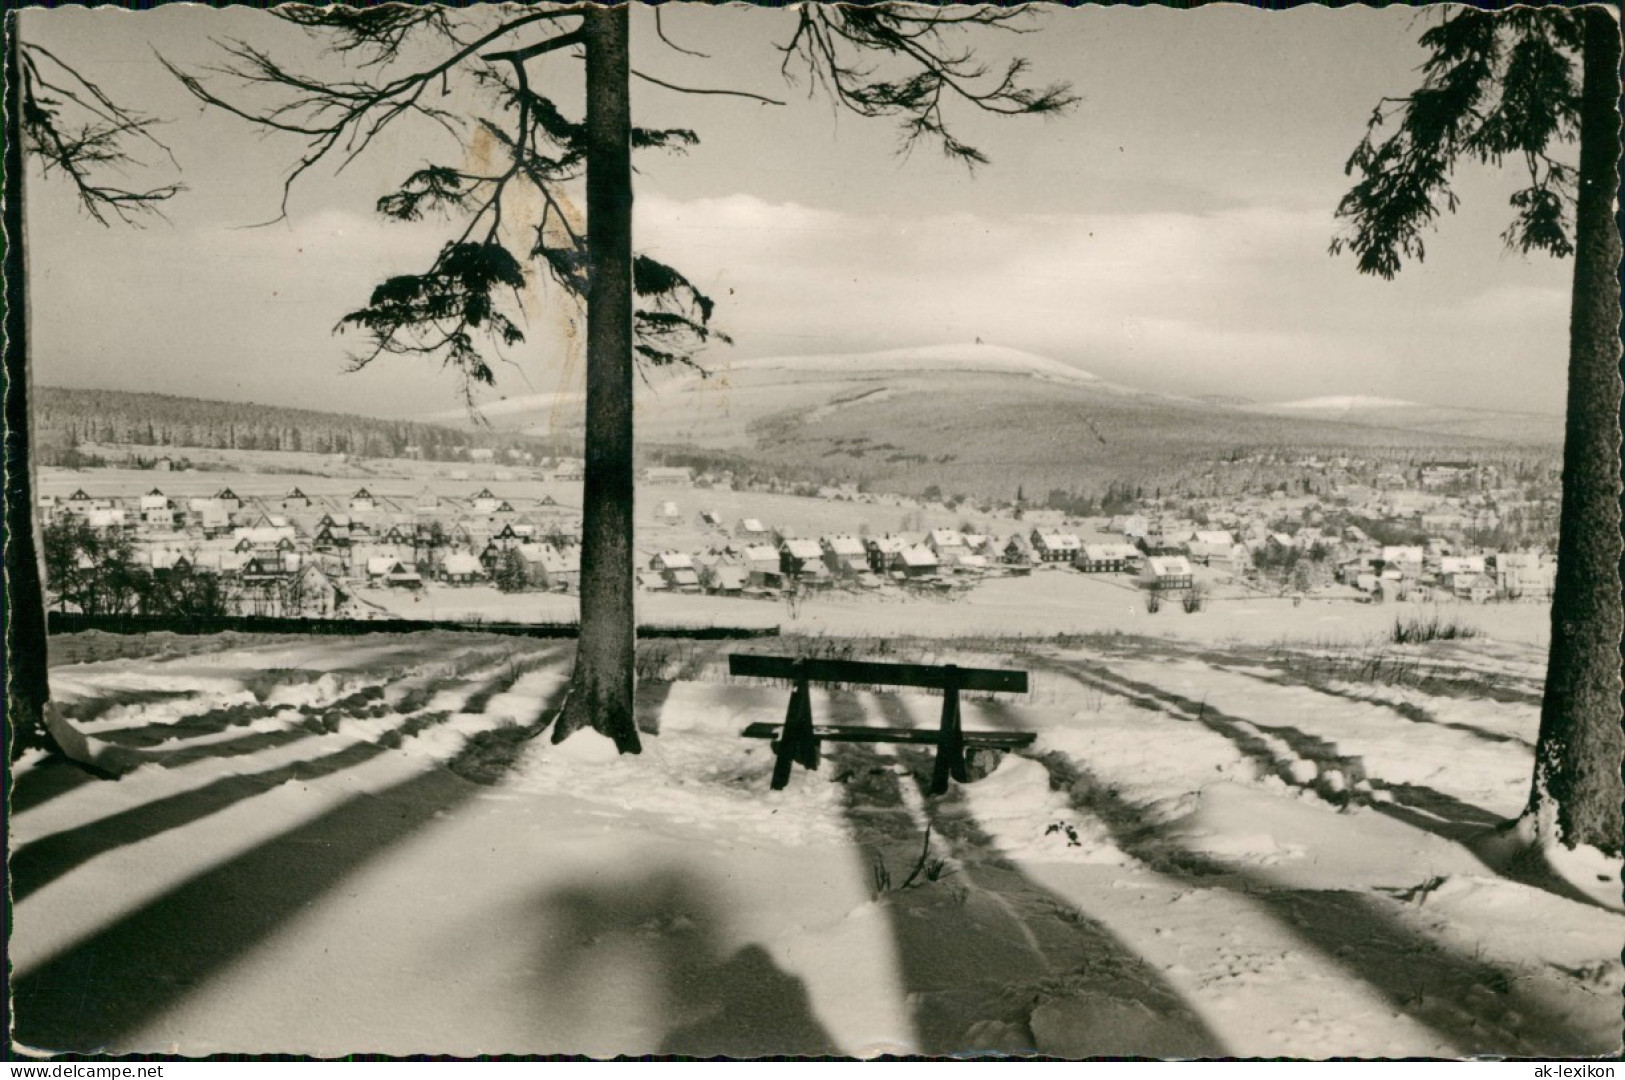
(950, 741)
(797, 742)
(781, 767)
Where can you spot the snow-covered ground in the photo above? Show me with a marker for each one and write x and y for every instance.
(344, 845)
(1050, 601)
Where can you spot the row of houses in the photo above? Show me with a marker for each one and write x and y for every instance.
(1472, 577)
(226, 509)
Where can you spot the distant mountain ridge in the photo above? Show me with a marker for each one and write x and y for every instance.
(66, 417)
(986, 419)
(976, 419)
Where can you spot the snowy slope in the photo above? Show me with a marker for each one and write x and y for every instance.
(327, 850)
(1345, 403)
(960, 359)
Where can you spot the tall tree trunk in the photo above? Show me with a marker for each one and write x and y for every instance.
(1577, 785)
(26, 687)
(601, 687)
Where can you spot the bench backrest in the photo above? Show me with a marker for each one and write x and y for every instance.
(876, 674)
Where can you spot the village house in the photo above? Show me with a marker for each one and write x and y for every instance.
(881, 550)
(1405, 558)
(330, 537)
(1476, 588)
(1451, 567)
(1279, 543)
(677, 569)
(552, 568)
(110, 518)
(490, 557)
(1524, 574)
(158, 512)
(1017, 551)
(915, 561)
(844, 555)
(1133, 526)
(1207, 543)
(724, 579)
(948, 545)
(485, 502)
(802, 560)
(1054, 547)
(164, 560)
(1164, 572)
(396, 574)
(1238, 560)
(312, 593)
(759, 561)
(507, 536)
(228, 499)
(1438, 474)
(461, 568)
(265, 566)
(1107, 558)
(753, 531)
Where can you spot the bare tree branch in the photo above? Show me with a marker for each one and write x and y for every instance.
(661, 31)
(84, 149)
(701, 90)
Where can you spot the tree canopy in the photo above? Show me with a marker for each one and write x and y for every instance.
(1526, 84)
(1495, 86)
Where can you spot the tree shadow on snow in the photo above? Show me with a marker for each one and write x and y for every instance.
(1408, 710)
(1450, 993)
(988, 957)
(1416, 805)
(44, 781)
(37, 864)
(109, 984)
(642, 954)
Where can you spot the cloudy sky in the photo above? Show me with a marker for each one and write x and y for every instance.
(1171, 232)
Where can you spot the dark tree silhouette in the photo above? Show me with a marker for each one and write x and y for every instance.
(887, 60)
(65, 122)
(1523, 84)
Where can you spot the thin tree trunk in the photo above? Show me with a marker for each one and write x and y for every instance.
(1577, 785)
(27, 689)
(601, 687)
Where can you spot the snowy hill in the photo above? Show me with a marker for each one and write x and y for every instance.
(1444, 421)
(1346, 403)
(982, 420)
(947, 359)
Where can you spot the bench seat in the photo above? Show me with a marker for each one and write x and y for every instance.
(796, 741)
(995, 740)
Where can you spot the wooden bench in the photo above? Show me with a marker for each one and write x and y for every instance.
(797, 739)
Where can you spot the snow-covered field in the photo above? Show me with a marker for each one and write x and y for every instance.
(1050, 601)
(1214, 848)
